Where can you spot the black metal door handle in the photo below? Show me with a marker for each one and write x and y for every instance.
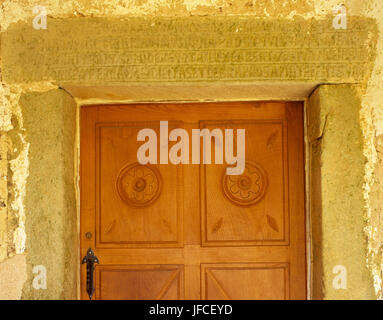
(90, 259)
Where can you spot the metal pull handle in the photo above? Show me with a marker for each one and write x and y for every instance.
(90, 259)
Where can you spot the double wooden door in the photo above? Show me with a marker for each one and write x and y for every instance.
(191, 231)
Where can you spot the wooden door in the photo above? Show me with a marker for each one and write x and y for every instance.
(170, 231)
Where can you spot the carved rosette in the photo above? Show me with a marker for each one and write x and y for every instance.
(139, 185)
(248, 188)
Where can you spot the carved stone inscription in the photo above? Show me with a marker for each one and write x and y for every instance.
(99, 51)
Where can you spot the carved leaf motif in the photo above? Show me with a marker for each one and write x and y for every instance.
(272, 223)
(110, 226)
(167, 225)
(218, 225)
(272, 139)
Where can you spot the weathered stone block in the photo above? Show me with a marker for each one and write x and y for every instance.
(240, 48)
(337, 205)
(50, 203)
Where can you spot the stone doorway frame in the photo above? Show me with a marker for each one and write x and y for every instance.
(323, 117)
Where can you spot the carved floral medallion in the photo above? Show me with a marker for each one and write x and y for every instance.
(248, 188)
(139, 185)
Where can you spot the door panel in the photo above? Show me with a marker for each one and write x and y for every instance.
(143, 282)
(136, 208)
(190, 231)
(266, 281)
(249, 209)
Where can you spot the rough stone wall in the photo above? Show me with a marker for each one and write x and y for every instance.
(51, 226)
(336, 185)
(15, 162)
